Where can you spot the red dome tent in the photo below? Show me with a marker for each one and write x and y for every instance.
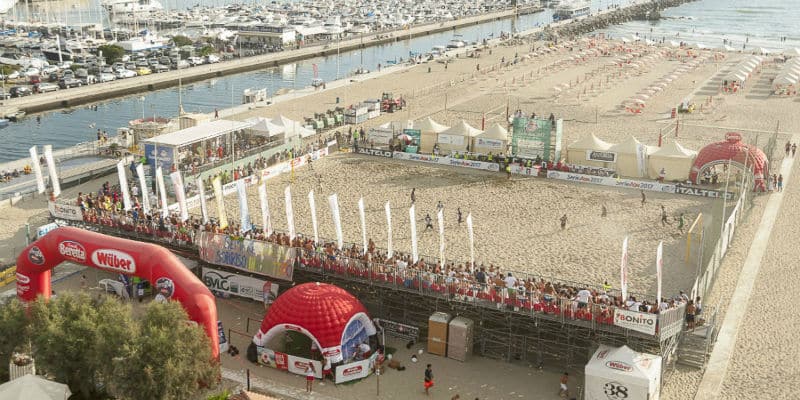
(329, 315)
(737, 152)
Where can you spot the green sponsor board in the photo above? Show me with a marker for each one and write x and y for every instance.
(415, 134)
(531, 138)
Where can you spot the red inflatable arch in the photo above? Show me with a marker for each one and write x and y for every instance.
(734, 150)
(147, 261)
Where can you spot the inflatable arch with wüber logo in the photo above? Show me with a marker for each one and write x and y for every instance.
(147, 261)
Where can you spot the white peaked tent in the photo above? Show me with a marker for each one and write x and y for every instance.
(265, 127)
(620, 369)
(578, 152)
(428, 130)
(494, 140)
(675, 159)
(457, 138)
(631, 157)
(293, 128)
(30, 387)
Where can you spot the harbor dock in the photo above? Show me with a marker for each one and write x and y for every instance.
(117, 88)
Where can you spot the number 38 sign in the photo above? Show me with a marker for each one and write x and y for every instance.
(615, 391)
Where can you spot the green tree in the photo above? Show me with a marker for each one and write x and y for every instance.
(74, 338)
(111, 52)
(206, 50)
(180, 41)
(13, 333)
(170, 357)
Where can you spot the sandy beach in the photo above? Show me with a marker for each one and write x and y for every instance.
(516, 221)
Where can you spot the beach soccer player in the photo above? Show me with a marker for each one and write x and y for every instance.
(428, 382)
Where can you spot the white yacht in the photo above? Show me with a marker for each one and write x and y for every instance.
(571, 10)
(131, 6)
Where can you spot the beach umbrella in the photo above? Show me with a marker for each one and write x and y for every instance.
(674, 43)
(761, 50)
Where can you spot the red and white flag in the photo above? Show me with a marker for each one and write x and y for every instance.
(659, 266)
(623, 270)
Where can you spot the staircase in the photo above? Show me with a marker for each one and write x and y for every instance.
(695, 345)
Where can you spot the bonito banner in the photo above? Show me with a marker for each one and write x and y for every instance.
(637, 321)
(259, 257)
(65, 211)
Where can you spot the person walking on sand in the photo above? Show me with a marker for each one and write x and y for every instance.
(644, 198)
(664, 220)
(780, 182)
(428, 222)
(459, 215)
(787, 148)
(603, 211)
(428, 382)
(563, 390)
(563, 222)
(309, 376)
(681, 222)
(413, 195)
(794, 148)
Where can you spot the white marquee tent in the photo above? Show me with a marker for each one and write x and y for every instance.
(675, 159)
(620, 369)
(578, 152)
(631, 157)
(265, 127)
(292, 127)
(494, 140)
(457, 138)
(429, 129)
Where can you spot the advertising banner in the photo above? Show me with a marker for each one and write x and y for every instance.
(491, 144)
(65, 211)
(611, 181)
(201, 188)
(375, 152)
(637, 321)
(287, 194)
(273, 359)
(266, 221)
(180, 194)
(298, 365)
(457, 140)
(163, 192)
(164, 158)
(51, 168)
(258, 257)
(527, 171)
(531, 138)
(37, 170)
(312, 206)
(145, 190)
(244, 210)
(380, 135)
(238, 285)
(333, 202)
(123, 186)
(362, 218)
(389, 251)
(453, 162)
(352, 371)
(601, 156)
(221, 214)
(416, 135)
(412, 219)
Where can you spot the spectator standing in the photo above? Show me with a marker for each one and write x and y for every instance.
(563, 389)
(428, 380)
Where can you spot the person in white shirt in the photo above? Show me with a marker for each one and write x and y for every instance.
(510, 281)
(135, 191)
(583, 298)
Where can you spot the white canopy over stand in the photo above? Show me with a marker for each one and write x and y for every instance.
(621, 373)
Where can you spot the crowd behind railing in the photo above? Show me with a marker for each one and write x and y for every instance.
(488, 285)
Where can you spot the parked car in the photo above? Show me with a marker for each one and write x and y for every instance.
(130, 65)
(12, 75)
(181, 64)
(45, 87)
(118, 66)
(142, 62)
(125, 73)
(20, 91)
(31, 72)
(212, 59)
(49, 69)
(81, 73)
(34, 79)
(53, 77)
(195, 60)
(4, 95)
(161, 68)
(106, 77)
(68, 74)
(143, 71)
(88, 80)
(106, 70)
(70, 83)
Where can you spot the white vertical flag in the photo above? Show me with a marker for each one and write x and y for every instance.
(163, 190)
(201, 187)
(180, 194)
(51, 168)
(37, 169)
(145, 191)
(333, 201)
(623, 270)
(123, 185)
(223, 217)
(471, 243)
(389, 251)
(440, 220)
(659, 266)
(412, 220)
(312, 205)
(266, 221)
(287, 194)
(363, 219)
(244, 210)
